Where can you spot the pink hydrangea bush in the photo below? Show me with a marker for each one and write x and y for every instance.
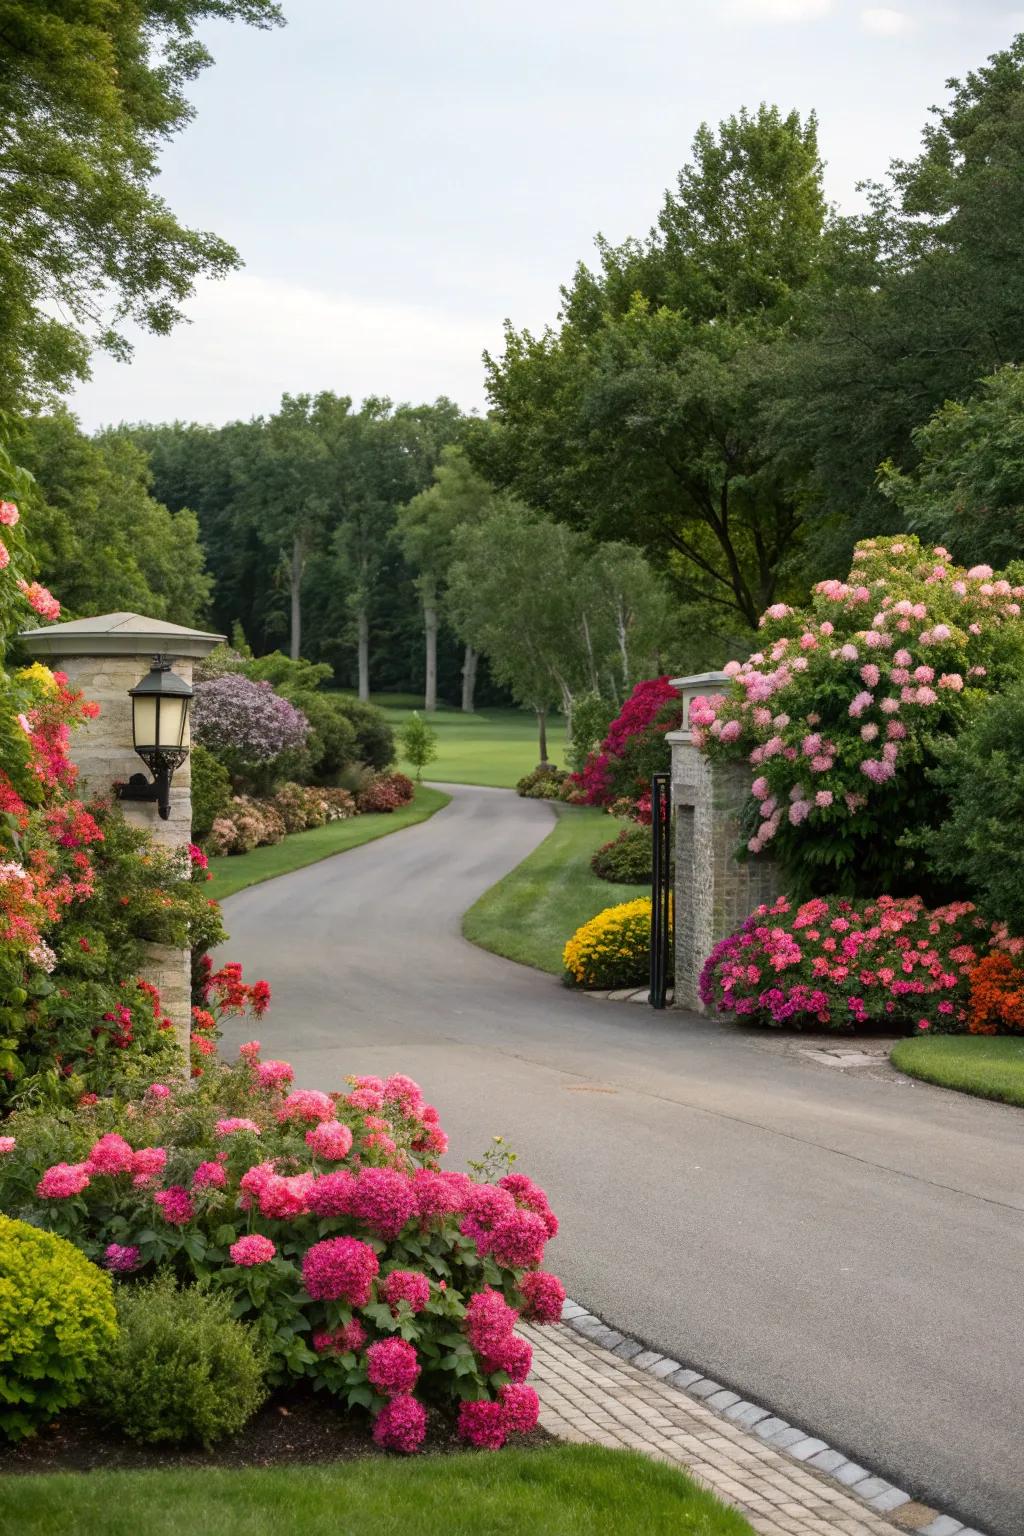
(840, 964)
(839, 711)
(370, 1271)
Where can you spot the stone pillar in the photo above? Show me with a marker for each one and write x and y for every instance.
(714, 891)
(105, 657)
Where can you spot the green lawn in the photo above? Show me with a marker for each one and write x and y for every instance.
(991, 1068)
(493, 746)
(529, 915)
(235, 872)
(557, 1491)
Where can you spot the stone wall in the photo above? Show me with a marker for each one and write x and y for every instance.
(714, 892)
(103, 751)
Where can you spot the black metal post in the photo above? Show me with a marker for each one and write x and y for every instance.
(661, 886)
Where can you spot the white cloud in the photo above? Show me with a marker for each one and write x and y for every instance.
(775, 11)
(253, 338)
(883, 22)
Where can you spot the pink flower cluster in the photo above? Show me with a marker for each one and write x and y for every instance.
(843, 964)
(883, 657)
(252, 1250)
(340, 1269)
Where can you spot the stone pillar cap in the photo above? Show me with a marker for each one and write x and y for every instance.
(119, 634)
(700, 680)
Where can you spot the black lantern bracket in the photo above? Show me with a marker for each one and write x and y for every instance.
(158, 734)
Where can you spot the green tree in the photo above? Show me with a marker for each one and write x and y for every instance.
(967, 489)
(89, 94)
(640, 417)
(427, 525)
(920, 298)
(100, 539)
(418, 741)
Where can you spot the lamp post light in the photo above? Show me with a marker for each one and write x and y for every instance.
(160, 733)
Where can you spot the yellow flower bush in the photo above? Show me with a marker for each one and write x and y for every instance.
(56, 1318)
(613, 949)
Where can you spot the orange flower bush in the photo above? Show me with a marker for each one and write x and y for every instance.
(996, 1004)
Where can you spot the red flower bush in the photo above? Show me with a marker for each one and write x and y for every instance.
(386, 792)
(633, 748)
(840, 964)
(374, 1276)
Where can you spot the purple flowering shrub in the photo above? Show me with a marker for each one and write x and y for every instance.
(254, 732)
(328, 1222)
(839, 713)
(841, 965)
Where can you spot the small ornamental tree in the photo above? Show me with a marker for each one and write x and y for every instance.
(633, 749)
(418, 741)
(841, 713)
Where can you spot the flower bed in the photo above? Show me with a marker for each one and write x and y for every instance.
(325, 1217)
(839, 964)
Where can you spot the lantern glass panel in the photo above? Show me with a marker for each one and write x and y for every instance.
(173, 721)
(144, 720)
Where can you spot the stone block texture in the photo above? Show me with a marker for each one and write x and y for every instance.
(714, 891)
(103, 751)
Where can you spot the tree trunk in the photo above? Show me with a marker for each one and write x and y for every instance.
(468, 679)
(430, 627)
(542, 734)
(364, 655)
(298, 561)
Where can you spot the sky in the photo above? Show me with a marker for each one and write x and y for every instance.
(400, 177)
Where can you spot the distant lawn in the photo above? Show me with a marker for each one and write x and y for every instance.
(991, 1068)
(235, 872)
(556, 1491)
(493, 746)
(529, 915)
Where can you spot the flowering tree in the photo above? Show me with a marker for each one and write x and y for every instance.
(839, 711)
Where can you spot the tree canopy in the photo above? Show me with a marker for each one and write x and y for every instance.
(89, 93)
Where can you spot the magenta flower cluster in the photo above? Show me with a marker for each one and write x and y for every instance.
(358, 1255)
(841, 964)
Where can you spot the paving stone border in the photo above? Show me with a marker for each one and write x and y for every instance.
(776, 1434)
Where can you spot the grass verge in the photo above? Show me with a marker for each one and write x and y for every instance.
(235, 872)
(561, 1491)
(529, 915)
(989, 1068)
(493, 746)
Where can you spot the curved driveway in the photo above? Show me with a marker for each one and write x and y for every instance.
(847, 1251)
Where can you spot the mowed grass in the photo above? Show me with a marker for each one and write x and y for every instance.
(990, 1068)
(235, 872)
(529, 915)
(556, 1491)
(495, 747)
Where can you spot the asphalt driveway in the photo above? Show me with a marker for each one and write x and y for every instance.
(847, 1251)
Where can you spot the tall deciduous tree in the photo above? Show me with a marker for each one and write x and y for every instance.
(101, 540)
(427, 528)
(640, 417)
(89, 93)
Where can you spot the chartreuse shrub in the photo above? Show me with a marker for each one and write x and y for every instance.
(626, 860)
(327, 1225)
(841, 714)
(56, 1319)
(182, 1369)
(612, 949)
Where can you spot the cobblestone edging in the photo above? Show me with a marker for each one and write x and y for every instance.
(597, 1384)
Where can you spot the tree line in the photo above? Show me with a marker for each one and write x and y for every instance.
(724, 405)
